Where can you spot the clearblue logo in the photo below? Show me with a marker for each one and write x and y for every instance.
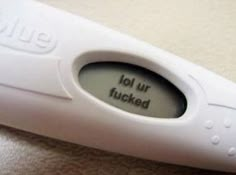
(17, 35)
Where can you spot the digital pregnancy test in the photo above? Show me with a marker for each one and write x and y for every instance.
(65, 77)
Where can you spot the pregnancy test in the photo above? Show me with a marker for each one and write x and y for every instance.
(65, 77)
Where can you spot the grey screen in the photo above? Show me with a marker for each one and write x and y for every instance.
(133, 89)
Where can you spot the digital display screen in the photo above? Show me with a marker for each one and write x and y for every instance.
(133, 89)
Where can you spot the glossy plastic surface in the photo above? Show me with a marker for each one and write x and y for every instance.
(42, 51)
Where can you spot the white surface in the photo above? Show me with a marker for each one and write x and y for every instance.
(211, 99)
(201, 27)
(200, 31)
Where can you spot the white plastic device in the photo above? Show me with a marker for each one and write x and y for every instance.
(43, 49)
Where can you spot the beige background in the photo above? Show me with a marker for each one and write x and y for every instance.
(202, 31)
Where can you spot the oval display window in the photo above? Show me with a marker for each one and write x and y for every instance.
(133, 89)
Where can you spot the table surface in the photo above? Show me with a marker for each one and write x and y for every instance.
(203, 32)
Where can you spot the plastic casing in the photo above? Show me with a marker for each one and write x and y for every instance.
(42, 50)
